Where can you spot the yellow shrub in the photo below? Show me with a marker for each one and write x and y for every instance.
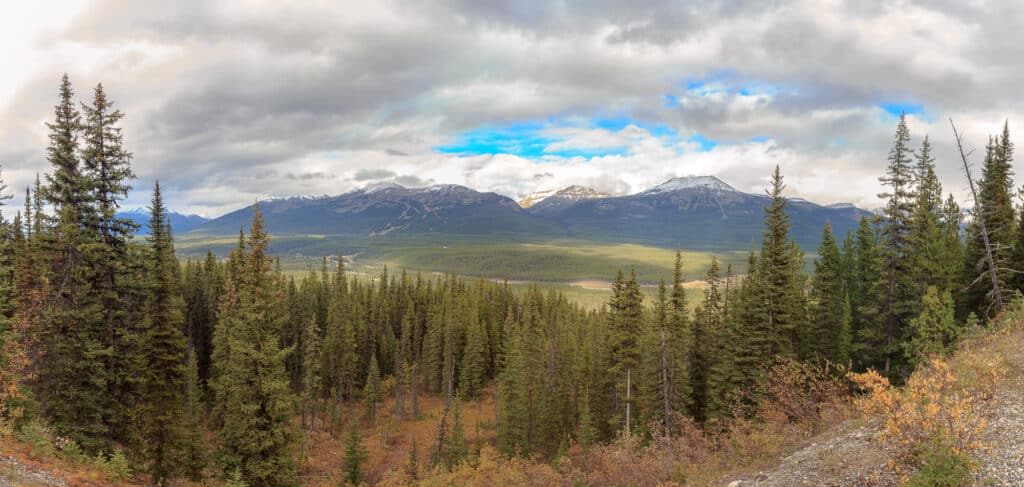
(935, 403)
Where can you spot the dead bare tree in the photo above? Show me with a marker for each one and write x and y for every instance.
(993, 268)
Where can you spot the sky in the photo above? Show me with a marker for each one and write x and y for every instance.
(228, 102)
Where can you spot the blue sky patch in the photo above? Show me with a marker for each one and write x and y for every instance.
(521, 139)
(532, 140)
(896, 108)
(704, 144)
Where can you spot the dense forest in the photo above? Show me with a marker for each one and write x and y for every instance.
(216, 367)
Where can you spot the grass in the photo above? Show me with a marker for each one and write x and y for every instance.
(550, 261)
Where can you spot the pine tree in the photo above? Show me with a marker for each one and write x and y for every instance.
(253, 402)
(827, 297)
(844, 338)
(627, 326)
(894, 291)
(935, 331)
(73, 375)
(926, 233)
(707, 323)
(995, 206)
(106, 170)
(456, 449)
(195, 455)
(161, 362)
(781, 291)
(474, 357)
(312, 371)
(680, 336)
(371, 391)
(355, 455)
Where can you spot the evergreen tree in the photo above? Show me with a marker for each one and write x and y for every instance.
(474, 357)
(935, 331)
(161, 354)
(680, 340)
(73, 375)
(355, 455)
(312, 371)
(894, 291)
(626, 323)
(707, 323)
(827, 296)
(844, 338)
(456, 449)
(926, 233)
(195, 455)
(781, 291)
(995, 206)
(253, 402)
(371, 391)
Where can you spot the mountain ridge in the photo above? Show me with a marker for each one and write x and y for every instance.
(685, 212)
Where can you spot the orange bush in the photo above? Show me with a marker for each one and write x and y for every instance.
(935, 403)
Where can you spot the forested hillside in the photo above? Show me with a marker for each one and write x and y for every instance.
(115, 353)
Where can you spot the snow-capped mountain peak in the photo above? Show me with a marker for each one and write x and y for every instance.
(687, 182)
(574, 192)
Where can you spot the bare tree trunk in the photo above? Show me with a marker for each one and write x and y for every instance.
(993, 269)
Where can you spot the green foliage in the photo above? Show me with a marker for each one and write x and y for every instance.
(456, 449)
(940, 466)
(934, 330)
(824, 336)
(114, 466)
(38, 435)
(355, 455)
(252, 399)
(161, 357)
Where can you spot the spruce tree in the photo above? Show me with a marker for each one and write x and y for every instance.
(935, 330)
(73, 374)
(781, 291)
(371, 391)
(995, 206)
(253, 401)
(680, 339)
(707, 323)
(626, 317)
(926, 234)
(827, 298)
(312, 371)
(474, 357)
(161, 357)
(355, 455)
(894, 291)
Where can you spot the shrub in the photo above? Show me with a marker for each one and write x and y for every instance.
(941, 466)
(935, 403)
(114, 466)
(799, 392)
(39, 438)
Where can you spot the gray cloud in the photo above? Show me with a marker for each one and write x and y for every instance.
(284, 99)
(370, 174)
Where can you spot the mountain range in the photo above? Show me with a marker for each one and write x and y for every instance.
(180, 223)
(696, 212)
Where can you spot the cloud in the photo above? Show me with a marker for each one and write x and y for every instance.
(370, 174)
(227, 103)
